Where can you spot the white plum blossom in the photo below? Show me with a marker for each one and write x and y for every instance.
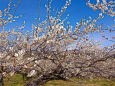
(32, 73)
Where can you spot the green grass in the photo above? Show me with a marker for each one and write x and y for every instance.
(88, 82)
(17, 80)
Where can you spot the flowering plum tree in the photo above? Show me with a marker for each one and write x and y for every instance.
(43, 53)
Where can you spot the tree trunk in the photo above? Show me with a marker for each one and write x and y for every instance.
(55, 75)
(43, 79)
(1, 80)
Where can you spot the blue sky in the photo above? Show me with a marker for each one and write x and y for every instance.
(77, 10)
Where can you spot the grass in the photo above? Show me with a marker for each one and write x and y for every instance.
(82, 82)
(17, 80)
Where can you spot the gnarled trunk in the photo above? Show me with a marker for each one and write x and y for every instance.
(55, 75)
(1, 80)
(43, 79)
